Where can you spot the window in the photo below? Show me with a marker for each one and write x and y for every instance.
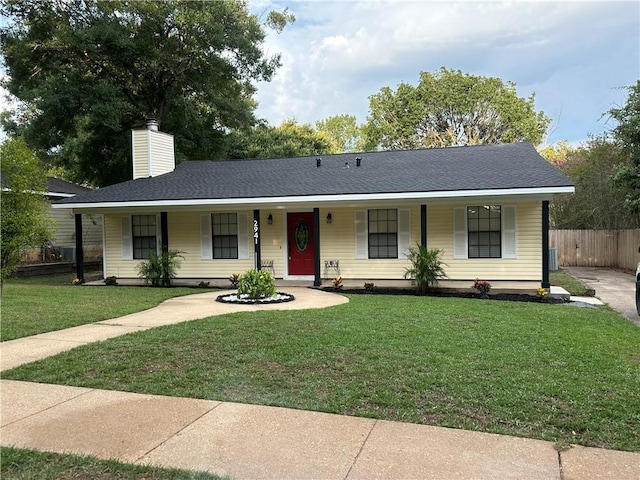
(484, 228)
(225, 235)
(383, 233)
(143, 228)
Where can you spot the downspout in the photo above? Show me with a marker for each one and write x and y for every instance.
(545, 245)
(316, 240)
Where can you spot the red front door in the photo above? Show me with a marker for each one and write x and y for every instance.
(300, 243)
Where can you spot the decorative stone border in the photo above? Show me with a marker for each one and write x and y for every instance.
(279, 297)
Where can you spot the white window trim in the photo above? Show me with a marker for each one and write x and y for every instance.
(206, 237)
(362, 234)
(127, 236)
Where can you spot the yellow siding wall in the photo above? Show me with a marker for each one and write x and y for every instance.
(184, 236)
(273, 240)
(527, 265)
(157, 144)
(140, 154)
(337, 242)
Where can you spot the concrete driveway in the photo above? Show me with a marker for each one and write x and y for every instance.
(615, 288)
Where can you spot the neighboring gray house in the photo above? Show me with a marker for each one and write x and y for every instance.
(63, 243)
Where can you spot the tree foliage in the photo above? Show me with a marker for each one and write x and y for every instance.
(627, 133)
(25, 222)
(597, 201)
(287, 140)
(343, 131)
(88, 71)
(449, 108)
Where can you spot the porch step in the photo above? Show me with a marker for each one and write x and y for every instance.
(559, 293)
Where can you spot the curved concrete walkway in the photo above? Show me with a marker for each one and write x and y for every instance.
(175, 310)
(260, 442)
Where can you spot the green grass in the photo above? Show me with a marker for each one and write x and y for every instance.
(569, 283)
(553, 372)
(22, 464)
(44, 304)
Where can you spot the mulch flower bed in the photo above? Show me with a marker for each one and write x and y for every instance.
(512, 297)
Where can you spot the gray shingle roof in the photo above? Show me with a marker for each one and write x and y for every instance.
(57, 185)
(486, 167)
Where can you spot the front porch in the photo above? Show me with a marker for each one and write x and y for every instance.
(498, 287)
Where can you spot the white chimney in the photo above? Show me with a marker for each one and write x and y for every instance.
(152, 151)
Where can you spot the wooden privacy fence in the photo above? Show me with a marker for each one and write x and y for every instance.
(596, 248)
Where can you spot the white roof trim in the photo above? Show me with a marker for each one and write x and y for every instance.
(55, 194)
(325, 198)
(45, 194)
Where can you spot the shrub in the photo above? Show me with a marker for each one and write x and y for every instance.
(160, 269)
(542, 293)
(482, 286)
(337, 283)
(369, 286)
(234, 279)
(426, 267)
(111, 281)
(257, 284)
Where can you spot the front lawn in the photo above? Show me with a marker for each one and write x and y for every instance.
(44, 304)
(553, 372)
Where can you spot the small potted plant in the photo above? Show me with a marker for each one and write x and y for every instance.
(337, 283)
(234, 279)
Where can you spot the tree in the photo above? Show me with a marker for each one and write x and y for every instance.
(342, 130)
(88, 71)
(596, 203)
(25, 223)
(449, 108)
(558, 154)
(287, 140)
(627, 133)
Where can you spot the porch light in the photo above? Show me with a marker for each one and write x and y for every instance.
(270, 219)
(329, 217)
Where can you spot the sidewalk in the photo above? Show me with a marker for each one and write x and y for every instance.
(252, 441)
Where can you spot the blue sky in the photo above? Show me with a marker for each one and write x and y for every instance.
(575, 56)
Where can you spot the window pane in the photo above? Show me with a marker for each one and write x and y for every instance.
(484, 231)
(143, 232)
(383, 233)
(225, 235)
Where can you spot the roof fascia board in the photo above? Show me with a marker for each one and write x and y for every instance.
(46, 194)
(458, 194)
